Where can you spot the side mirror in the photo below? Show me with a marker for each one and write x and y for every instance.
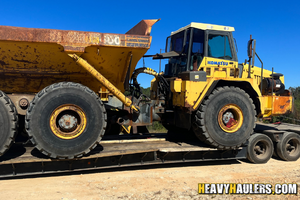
(249, 47)
(168, 44)
(251, 54)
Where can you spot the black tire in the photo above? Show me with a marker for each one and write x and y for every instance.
(48, 139)
(198, 131)
(178, 134)
(175, 133)
(260, 148)
(112, 129)
(208, 127)
(288, 148)
(8, 123)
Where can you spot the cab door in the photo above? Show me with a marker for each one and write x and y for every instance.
(220, 53)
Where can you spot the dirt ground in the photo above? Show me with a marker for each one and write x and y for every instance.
(175, 181)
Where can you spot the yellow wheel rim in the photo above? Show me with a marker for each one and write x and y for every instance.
(230, 118)
(68, 121)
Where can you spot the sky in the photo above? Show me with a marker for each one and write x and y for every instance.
(274, 24)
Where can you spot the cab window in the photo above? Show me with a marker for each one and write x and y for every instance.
(219, 47)
(197, 49)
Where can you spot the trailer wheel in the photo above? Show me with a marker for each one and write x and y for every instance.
(8, 123)
(226, 118)
(289, 147)
(66, 120)
(260, 149)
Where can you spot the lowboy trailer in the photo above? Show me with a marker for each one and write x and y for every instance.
(150, 149)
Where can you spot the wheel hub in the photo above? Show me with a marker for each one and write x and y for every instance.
(291, 146)
(259, 149)
(227, 116)
(262, 149)
(230, 118)
(68, 121)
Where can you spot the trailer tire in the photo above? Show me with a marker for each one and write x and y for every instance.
(288, 148)
(66, 120)
(8, 123)
(225, 103)
(260, 148)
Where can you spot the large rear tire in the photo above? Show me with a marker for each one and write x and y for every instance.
(66, 120)
(8, 123)
(226, 119)
(288, 148)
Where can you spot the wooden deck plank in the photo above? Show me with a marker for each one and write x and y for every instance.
(113, 148)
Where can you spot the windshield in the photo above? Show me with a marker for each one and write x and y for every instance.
(219, 47)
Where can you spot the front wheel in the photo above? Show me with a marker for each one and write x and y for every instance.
(226, 119)
(66, 120)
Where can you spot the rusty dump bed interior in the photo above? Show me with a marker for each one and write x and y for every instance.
(31, 59)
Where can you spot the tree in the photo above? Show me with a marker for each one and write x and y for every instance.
(146, 91)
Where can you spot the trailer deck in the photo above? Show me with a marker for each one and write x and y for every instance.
(261, 127)
(126, 150)
(20, 160)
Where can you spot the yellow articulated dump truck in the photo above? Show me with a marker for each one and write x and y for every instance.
(65, 91)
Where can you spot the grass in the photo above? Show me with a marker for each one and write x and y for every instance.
(156, 127)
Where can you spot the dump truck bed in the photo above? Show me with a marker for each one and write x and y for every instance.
(31, 59)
